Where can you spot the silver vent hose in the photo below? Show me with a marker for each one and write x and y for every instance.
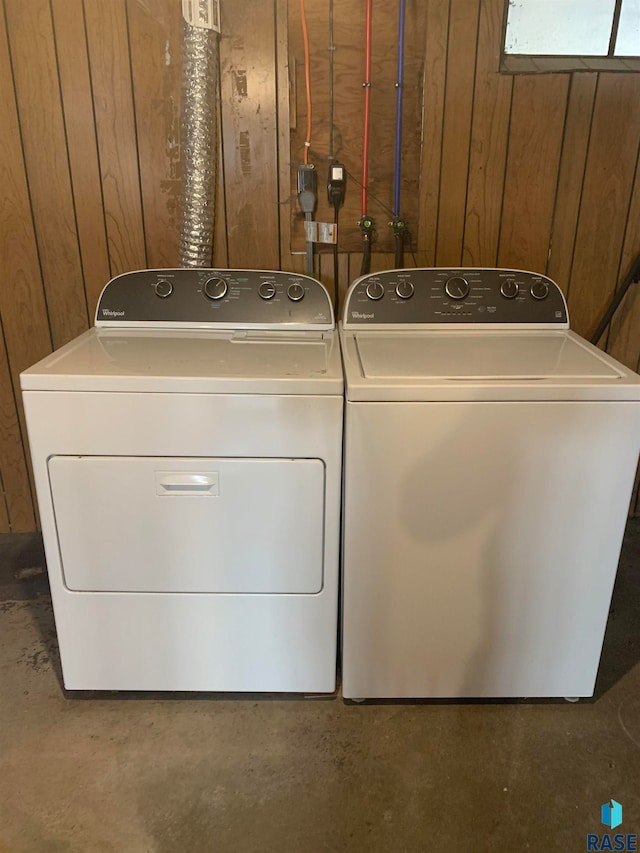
(199, 144)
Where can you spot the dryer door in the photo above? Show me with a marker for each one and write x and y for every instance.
(132, 524)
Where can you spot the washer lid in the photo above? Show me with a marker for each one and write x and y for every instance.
(241, 362)
(468, 365)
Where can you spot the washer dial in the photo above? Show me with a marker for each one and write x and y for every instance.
(375, 290)
(215, 288)
(163, 288)
(295, 292)
(540, 290)
(457, 287)
(404, 289)
(267, 290)
(509, 289)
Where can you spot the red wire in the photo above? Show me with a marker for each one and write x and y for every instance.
(367, 106)
(307, 79)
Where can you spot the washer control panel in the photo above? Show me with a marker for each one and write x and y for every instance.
(215, 297)
(454, 296)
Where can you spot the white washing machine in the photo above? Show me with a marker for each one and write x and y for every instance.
(489, 460)
(187, 458)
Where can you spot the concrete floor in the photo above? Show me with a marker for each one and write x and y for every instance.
(98, 772)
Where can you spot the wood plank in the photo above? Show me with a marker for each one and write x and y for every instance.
(572, 163)
(623, 341)
(17, 502)
(608, 182)
(456, 135)
(248, 83)
(434, 88)
(285, 98)
(535, 138)
(489, 137)
(22, 306)
(75, 85)
(155, 36)
(382, 261)
(107, 38)
(220, 248)
(30, 32)
(4, 512)
(328, 279)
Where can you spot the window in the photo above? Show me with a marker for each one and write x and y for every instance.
(570, 35)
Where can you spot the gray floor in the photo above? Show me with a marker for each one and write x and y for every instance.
(94, 772)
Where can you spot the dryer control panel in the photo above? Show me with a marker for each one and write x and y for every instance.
(218, 298)
(455, 296)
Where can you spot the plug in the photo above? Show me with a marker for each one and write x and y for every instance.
(307, 188)
(336, 184)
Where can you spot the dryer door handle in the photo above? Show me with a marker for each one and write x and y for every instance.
(187, 483)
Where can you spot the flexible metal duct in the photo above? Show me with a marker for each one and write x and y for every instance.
(199, 144)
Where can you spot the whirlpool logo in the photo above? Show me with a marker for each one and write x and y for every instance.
(109, 312)
(360, 315)
(611, 816)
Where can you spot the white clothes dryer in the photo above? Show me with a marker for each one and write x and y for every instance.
(187, 460)
(489, 460)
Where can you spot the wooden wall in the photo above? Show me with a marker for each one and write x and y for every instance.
(537, 171)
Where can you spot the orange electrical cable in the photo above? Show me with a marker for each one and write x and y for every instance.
(307, 80)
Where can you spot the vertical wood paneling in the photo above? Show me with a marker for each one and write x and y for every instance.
(349, 36)
(4, 512)
(327, 276)
(77, 103)
(458, 108)
(433, 117)
(220, 248)
(489, 136)
(572, 162)
(624, 338)
(535, 171)
(247, 61)
(38, 96)
(22, 307)
(16, 503)
(109, 60)
(155, 30)
(535, 137)
(608, 180)
(283, 106)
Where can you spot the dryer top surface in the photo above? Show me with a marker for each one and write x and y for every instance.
(192, 361)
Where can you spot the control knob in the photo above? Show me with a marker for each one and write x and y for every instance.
(295, 292)
(375, 290)
(457, 287)
(267, 290)
(215, 288)
(540, 290)
(509, 288)
(404, 289)
(163, 288)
